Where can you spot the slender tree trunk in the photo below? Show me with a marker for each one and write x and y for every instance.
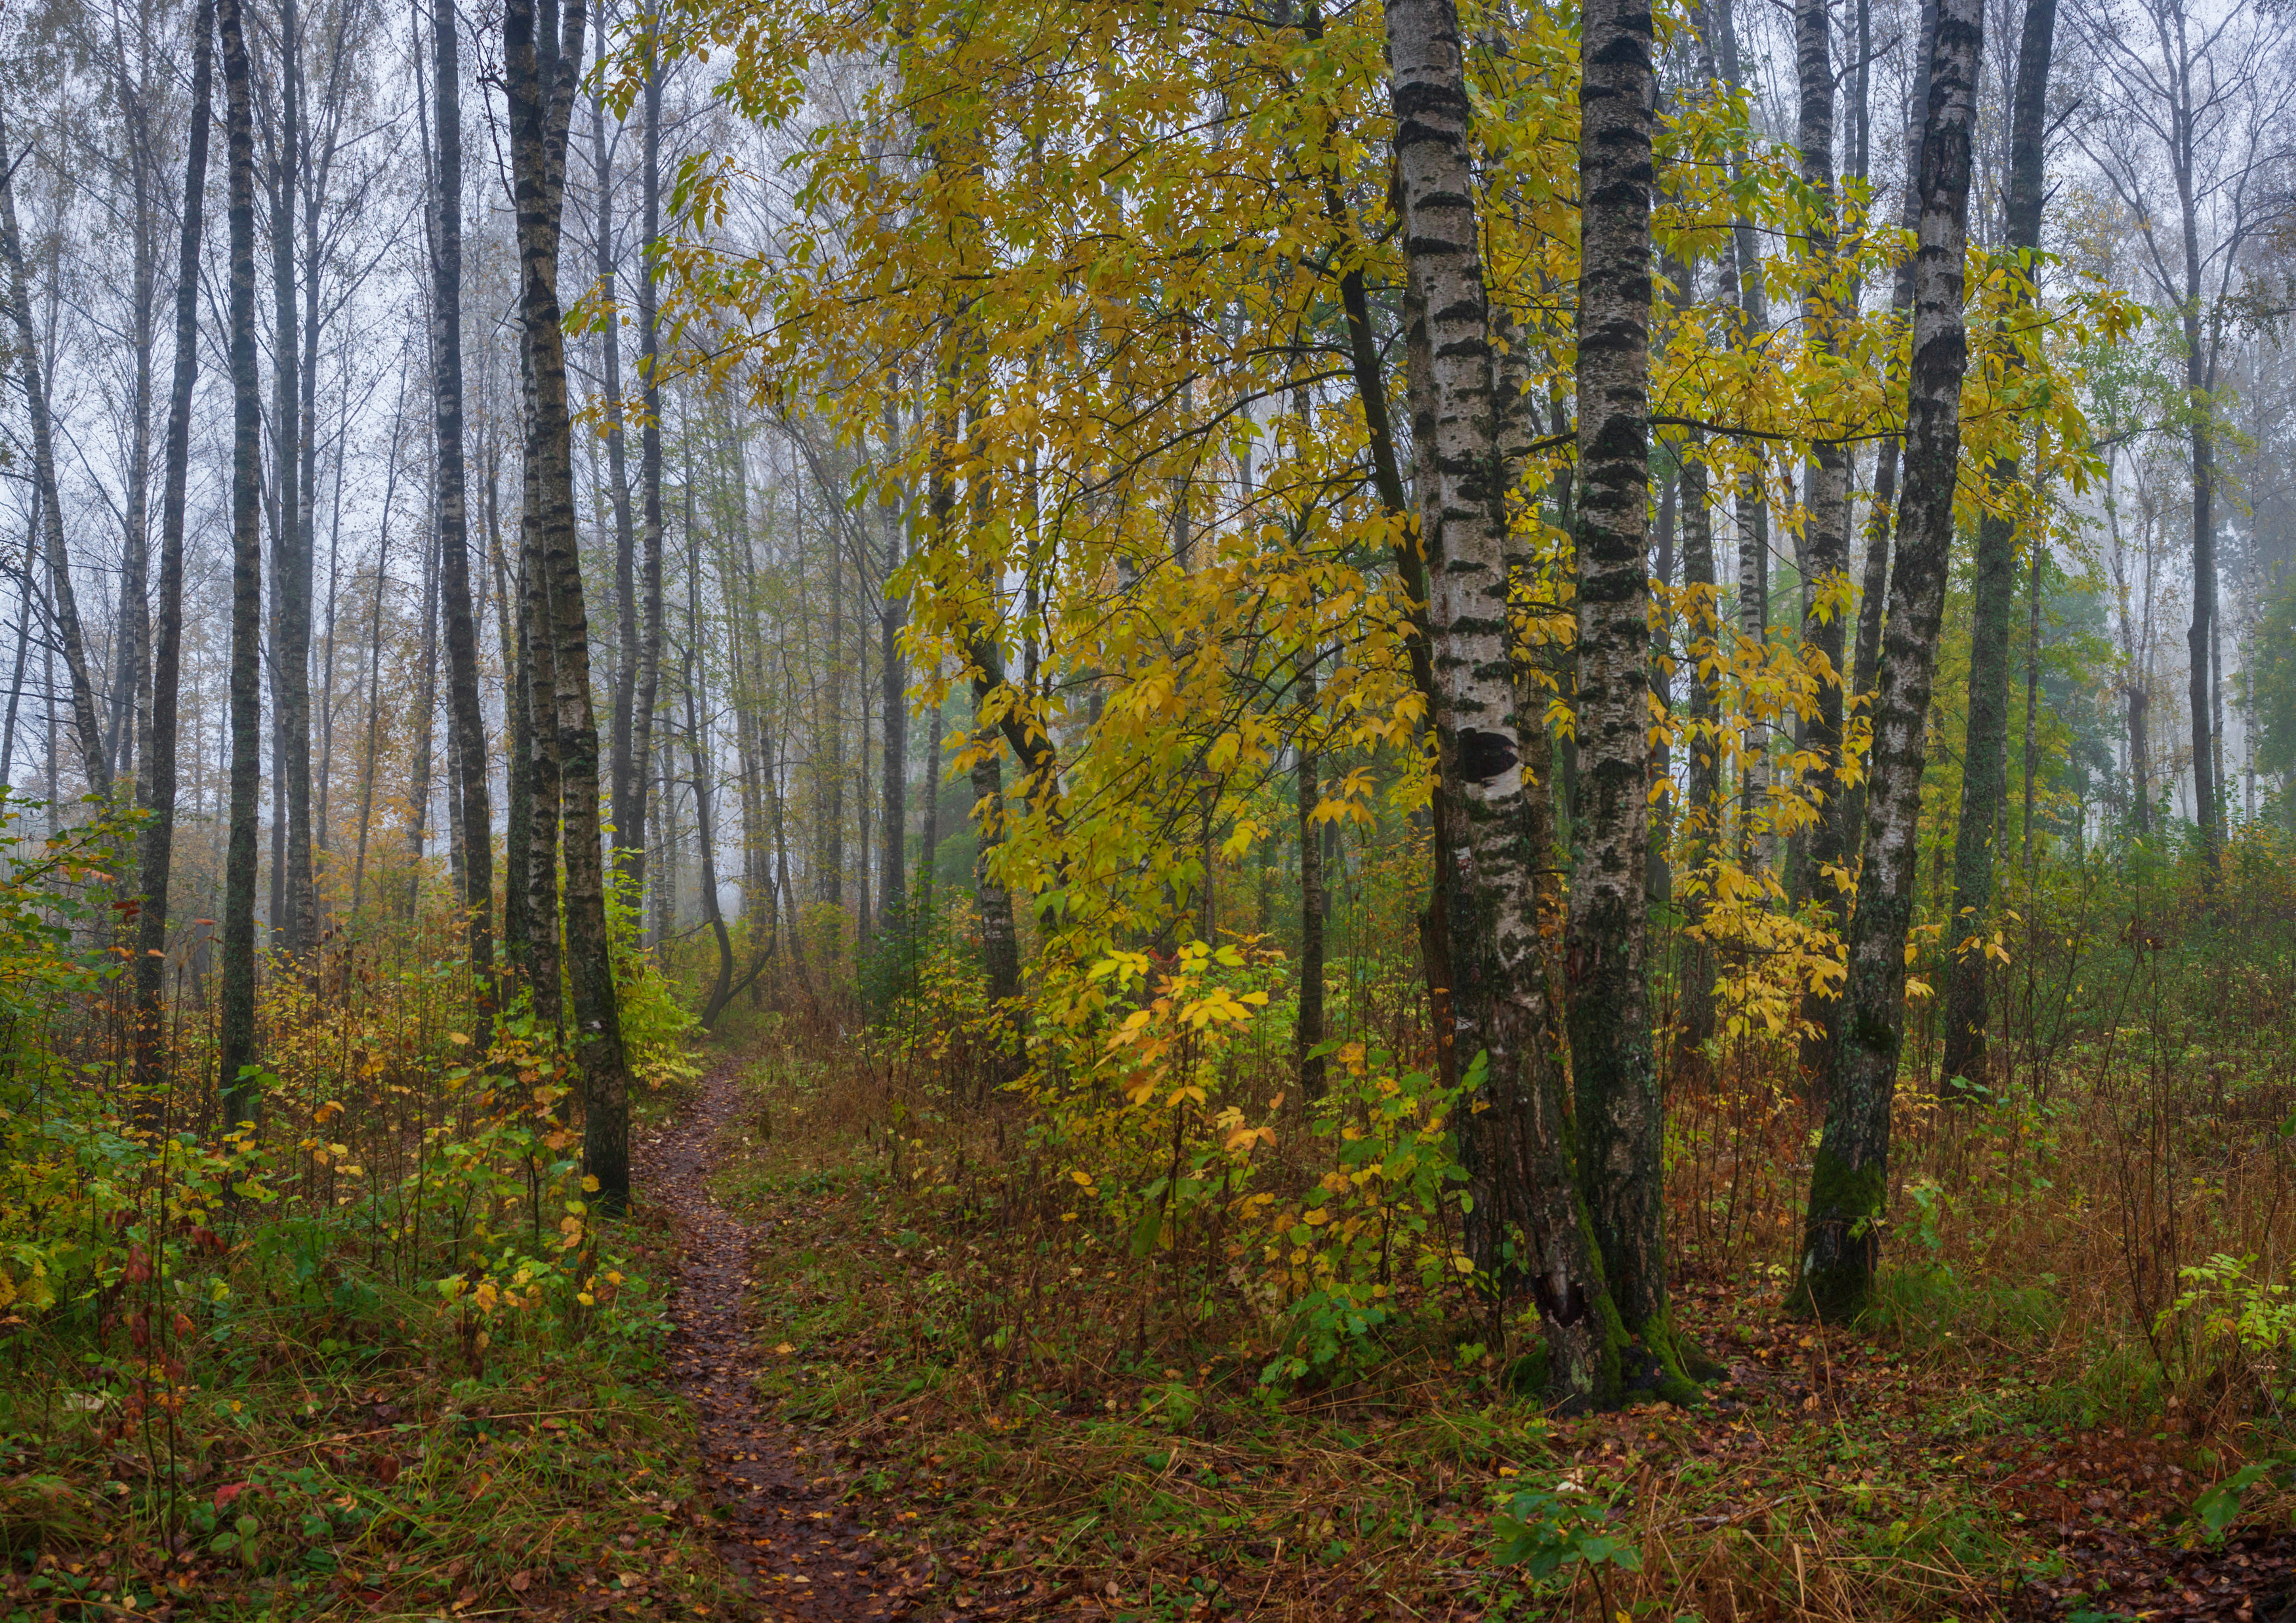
(374, 654)
(831, 736)
(236, 1034)
(132, 628)
(157, 855)
(426, 720)
(1000, 944)
(2040, 558)
(466, 720)
(1822, 873)
(893, 672)
(1985, 753)
(623, 777)
(23, 642)
(294, 915)
(1874, 588)
(63, 606)
(721, 991)
(929, 786)
(1520, 1157)
(542, 65)
(648, 650)
(518, 742)
(1849, 1174)
(321, 836)
(1703, 790)
(1309, 1030)
(2201, 690)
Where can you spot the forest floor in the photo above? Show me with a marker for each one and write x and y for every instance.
(1836, 1474)
(828, 1394)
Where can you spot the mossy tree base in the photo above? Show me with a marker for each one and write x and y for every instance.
(1841, 1240)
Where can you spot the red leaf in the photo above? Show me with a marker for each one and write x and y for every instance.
(229, 1491)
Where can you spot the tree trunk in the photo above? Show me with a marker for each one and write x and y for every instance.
(537, 663)
(466, 719)
(929, 786)
(542, 65)
(1000, 945)
(1985, 753)
(1822, 873)
(648, 653)
(2033, 706)
(63, 606)
(294, 914)
(236, 1039)
(1874, 588)
(518, 743)
(705, 829)
(24, 642)
(1850, 1176)
(1312, 901)
(623, 776)
(892, 671)
(374, 652)
(1621, 1124)
(831, 739)
(158, 851)
(132, 629)
(1518, 1149)
(426, 717)
(1703, 790)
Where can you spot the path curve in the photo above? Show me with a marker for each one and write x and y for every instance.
(799, 1554)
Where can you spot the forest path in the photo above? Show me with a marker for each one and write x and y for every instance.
(799, 1554)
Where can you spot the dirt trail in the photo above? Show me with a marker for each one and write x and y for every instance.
(799, 1554)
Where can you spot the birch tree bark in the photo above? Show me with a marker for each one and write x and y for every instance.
(1849, 1174)
(1873, 592)
(1620, 1122)
(1985, 753)
(542, 59)
(1518, 1144)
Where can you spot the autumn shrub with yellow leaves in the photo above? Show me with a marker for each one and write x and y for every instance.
(1329, 1220)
